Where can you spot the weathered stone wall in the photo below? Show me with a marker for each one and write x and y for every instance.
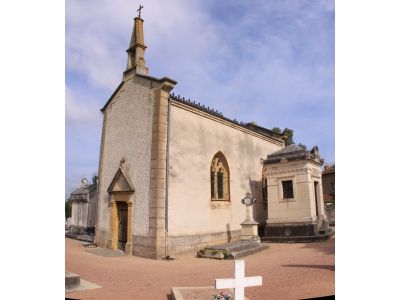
(79, 214)
(127, 133)
(92, 206)
(180, 244)
(328, 187)
(195, 137)
(330, 213)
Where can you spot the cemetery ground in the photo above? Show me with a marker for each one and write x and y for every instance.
(289, 271)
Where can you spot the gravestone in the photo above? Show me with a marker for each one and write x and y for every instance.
(249, 242)
(249, 226)
(228, 286)
(240, 282)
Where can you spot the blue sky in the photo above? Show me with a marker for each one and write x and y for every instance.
(271, 62)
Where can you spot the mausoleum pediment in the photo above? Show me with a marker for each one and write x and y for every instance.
(120, 183)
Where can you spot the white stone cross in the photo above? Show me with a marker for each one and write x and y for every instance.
(239, 282)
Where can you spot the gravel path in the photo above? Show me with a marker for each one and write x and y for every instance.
(289, 271)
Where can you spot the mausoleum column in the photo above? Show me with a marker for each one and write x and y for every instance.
(321, 205)
(128, 246)
(113, 224)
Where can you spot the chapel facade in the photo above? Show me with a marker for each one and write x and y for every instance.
(172, 172)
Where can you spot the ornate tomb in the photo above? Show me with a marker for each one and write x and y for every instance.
(295, 206)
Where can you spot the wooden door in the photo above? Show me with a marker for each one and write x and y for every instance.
(122, 225)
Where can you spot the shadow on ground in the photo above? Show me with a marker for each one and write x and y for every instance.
(327, 267)
(327, 247)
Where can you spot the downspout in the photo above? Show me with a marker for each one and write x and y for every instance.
(95, 208)
(166, 180)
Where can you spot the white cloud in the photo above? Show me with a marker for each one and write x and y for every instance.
(97, 39)
(80, 111)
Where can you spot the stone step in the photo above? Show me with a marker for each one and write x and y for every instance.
(245, 252)
(72, 279)
(234, 247)
(297, 239)
(80, 237)
(232, 250)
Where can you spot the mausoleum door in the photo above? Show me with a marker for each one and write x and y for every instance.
(316, 199)
(122, 225)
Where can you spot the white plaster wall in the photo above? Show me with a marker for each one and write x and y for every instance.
(128, 134)
(194, 140)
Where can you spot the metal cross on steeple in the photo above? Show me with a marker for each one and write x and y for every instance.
(140, 9)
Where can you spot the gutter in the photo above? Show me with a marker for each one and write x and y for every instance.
(166, 180)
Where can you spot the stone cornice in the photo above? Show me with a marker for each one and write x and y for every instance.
(275, 173)
(132, 48)
(287, 172)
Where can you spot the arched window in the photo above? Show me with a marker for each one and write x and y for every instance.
(219, 178)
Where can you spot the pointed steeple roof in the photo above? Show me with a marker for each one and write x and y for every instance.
(136, 49)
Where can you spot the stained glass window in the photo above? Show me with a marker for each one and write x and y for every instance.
(220, 178)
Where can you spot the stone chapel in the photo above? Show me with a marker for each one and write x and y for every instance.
(172, 172)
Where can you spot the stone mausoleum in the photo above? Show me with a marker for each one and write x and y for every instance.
(84, 208)
(295, 206)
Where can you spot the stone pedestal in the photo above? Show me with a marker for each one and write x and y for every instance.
(128, 248)
(250, 230)
(249, 226)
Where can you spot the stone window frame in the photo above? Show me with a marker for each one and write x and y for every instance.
(287, 188)
(218, 163)
(280, 188)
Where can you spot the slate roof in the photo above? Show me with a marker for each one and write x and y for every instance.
(294, 152)
(291, 149)
(83, 190)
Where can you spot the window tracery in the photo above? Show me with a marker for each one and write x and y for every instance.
(219, 178)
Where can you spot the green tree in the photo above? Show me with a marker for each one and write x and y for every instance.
(288, 135)
(68, 208)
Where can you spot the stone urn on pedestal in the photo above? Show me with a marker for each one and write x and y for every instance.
(249, 226)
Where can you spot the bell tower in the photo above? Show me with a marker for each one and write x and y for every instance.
(136, 48)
